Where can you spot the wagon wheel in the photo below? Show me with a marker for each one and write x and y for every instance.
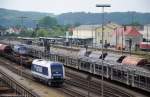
(49, 83)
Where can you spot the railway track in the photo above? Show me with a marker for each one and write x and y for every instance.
(77, 81)
(96, 87)
(66, 89)
(76, 48)
(19, 89)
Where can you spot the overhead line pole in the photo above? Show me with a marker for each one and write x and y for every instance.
(22, 19)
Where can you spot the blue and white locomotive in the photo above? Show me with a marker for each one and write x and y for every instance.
(20, 49)
(52, 73)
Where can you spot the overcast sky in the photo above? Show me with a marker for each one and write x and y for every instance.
(63, 6)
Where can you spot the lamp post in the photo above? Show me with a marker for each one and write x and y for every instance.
(102, 6)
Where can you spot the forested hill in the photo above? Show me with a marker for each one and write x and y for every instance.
(96, 18)
(10, 17)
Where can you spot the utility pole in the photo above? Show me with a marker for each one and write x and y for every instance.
(22, 20)
(147, 36)
(130, 45)
(122, 33)
(116, 37)
(36, 28)
(132, 17)
(102, 6)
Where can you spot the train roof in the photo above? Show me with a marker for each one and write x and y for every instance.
(26, 38)
(20, 45)
(95, 54)
(50, 38)
(43, 62)
(134, 60)
(113, 57)
(147, 43)
(98, 61)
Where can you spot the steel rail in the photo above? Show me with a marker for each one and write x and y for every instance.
(17, 86)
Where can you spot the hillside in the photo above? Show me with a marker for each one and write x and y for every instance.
(95, 18)
(10, 17)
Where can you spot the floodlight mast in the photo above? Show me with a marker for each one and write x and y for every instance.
(102, 76)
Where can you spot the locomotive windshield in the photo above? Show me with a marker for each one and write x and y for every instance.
(23, 48)
(56, 68)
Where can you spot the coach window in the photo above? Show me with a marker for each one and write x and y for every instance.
(73, 61)
(148, 82)
(105, 69)
(61, 59)
(82, 64)
(87, 65)
(142, 80)
(98, 67)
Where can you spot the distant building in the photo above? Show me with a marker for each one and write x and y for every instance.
(121, 36)
(107, 35)
(85, 32)
(146, 33)
(14, 30)
(94, 32)
(2, 31)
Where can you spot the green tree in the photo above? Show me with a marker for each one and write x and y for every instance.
(42, 33)
(135, 23)
(48, 22)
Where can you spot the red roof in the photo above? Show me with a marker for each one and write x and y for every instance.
(130, 31)
(133, 60)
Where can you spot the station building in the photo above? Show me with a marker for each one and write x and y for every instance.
(94, 33)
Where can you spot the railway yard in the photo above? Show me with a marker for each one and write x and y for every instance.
(124, 75)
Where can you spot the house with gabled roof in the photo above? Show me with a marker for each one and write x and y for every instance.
(121, 37)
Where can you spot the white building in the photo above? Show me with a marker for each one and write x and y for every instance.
(13, 30)
(95, 32)
(146, 32)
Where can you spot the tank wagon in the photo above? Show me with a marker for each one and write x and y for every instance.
(50, 72)
(5, 48)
